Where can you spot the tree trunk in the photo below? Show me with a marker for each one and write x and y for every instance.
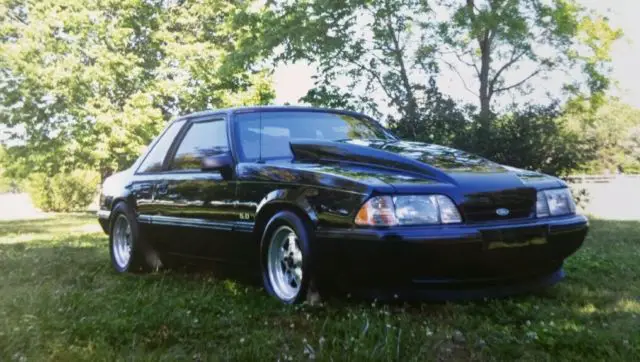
(484, 42)
(485, 93)
(411, 109)
(484, 120)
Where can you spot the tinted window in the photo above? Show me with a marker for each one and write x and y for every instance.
(202, 139)
(248, 127)
(154, 159)
(277, 128)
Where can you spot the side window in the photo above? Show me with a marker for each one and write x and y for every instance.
(155, 157)
(275, 140)
(248, 128)
(275, 134)
(202, 139)
(278, 128)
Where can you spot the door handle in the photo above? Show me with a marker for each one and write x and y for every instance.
(162, 188)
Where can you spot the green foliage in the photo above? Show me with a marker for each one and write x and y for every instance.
(535, 138)
(631, 150)
(439, 120)
(365, 45)
(88, 83)
(509, 43)
(7, 183)
(63, 192)
(332, 97)
(397, 49)
(612, 131)
(61, 301)
(581, 196)
(4, 181)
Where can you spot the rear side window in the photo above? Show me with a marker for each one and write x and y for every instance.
(248, 127)
(202, 139)
(155, 157)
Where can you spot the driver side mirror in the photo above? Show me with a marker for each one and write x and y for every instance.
(221, 162)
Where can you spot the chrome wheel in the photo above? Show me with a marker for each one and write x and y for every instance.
(284, 263)
(122, 241)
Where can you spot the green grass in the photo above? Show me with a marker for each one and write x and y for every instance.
(60, 300)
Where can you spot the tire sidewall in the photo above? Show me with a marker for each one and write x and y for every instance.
(304, 236)
(122, 209)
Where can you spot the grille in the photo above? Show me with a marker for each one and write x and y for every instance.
(482, 206)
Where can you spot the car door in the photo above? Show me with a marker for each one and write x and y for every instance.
(196, 207)
(146, 178)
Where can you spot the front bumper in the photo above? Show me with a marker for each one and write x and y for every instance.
(451, 262)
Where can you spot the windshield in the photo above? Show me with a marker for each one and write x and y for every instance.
(266, 135)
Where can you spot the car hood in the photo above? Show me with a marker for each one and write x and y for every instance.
(429, 161)
(443, 158)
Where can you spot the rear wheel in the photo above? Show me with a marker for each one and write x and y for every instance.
(129, 250)
(286, 258)
(122, 241)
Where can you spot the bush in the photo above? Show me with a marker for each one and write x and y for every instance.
(613, 130)
(8, 184)
(63, 192)
(5, 183)
(440, 120)
(581, 196)
(534, 138)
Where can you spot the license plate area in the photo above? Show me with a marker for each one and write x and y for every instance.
(514, 237)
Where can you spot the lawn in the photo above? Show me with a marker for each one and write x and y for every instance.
(60, 300)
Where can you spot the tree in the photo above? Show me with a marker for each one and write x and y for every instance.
(370, 48)
(497, 39)
(91, 82)
(612, 132)
(5, 183)
(396, 48)
(537, 138)
(631, 149)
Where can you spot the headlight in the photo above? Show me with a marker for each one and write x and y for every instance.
(408, 210)
(377, 211)
(555, 203)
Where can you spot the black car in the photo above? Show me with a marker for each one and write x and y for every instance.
(327, 199)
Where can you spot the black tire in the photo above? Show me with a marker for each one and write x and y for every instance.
(142, 257)
(304, 239)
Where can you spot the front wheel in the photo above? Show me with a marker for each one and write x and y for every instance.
(286, 258)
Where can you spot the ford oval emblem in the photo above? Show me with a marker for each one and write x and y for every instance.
(502, 211)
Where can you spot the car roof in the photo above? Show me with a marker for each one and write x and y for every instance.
(249, 109)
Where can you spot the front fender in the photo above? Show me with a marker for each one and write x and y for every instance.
(288, 198)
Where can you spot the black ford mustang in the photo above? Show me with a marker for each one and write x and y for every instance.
(317, 198)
